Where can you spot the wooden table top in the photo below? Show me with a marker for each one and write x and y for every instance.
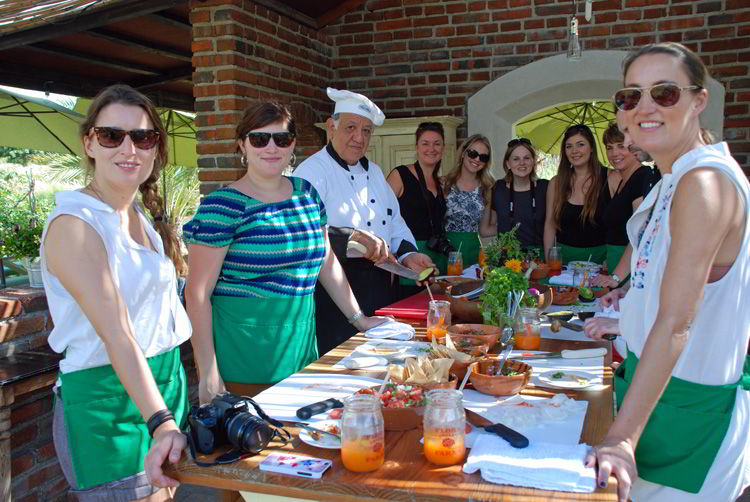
(405, 475)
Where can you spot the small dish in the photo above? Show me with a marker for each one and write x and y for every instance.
(483, 379)
(325, 440)
(568, 379)
(380, 349)
(355, 363)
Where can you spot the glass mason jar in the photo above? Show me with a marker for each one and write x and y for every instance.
(444, 427)
(362, 433)
(438, 319)
(527, 327)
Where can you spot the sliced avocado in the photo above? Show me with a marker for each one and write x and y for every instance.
(586, 293)
(424, 274)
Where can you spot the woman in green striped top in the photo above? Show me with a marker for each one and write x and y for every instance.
(256, 249)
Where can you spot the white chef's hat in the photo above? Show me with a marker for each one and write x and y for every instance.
(351, 102)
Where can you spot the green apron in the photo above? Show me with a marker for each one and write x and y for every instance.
(570, 253)
(469, 243)
(685, 431)
(614, 253)
(107, 435)
(263, 340)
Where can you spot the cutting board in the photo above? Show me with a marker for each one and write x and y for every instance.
(413, 307)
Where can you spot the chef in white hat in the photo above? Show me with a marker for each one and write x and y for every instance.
(361, 207)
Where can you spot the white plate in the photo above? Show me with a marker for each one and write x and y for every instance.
(325, 440)
(570, 380)
(583, 265)
(355, 363)
(380, 349)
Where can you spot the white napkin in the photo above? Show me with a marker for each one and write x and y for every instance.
(392, 329)
(608, 312)
(548, 466)
(472, 272)
(564, 279)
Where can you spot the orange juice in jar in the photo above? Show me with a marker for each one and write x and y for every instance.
(444, 427)
(527, 330)
(455, 263)
(438, 318)
(436, 332)
(362, 433)
(555, 260)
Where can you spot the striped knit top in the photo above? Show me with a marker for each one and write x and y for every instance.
(275, 249)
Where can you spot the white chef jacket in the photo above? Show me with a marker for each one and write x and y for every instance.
(358, 197)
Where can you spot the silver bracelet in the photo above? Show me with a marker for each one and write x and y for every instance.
(355, 316)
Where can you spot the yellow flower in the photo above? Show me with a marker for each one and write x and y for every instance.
(514, 265)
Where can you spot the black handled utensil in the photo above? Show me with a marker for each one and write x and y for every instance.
(306, 412)
(516, 439)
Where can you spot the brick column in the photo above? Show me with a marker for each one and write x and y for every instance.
(244, 52)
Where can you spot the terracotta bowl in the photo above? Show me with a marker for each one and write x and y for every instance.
(404, 419)
(564, 295)
(499, 385)
(540, 272)
(600, 292)
(475, 338)
(441, 285)
(462, 309)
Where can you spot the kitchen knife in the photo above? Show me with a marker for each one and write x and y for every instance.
(516, 439)
(570, 325)
(565, 354)
(313, 409)
(312, 430)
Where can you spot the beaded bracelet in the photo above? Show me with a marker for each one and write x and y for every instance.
(157, 419)
(355, 316)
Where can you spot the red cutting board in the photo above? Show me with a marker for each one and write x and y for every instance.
(413, 307)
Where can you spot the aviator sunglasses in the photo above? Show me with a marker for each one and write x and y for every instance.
(112, 137)
(261, 139)
(473, 154)
(665, 95)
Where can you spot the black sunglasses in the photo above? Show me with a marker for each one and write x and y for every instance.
(112, 137)
(261, 139)
(473, 154)
(519, 141)
(663, 95)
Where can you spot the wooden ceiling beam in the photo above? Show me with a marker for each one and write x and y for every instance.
(143, 46)
(91, 59)
(181, 73)
(45, 80)
(121, 11)
(172, 21)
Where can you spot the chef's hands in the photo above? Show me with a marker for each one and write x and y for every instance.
(613, 298)
(377, 248)
(168, 443)
(616, 457)
(604, 281)
(598, 327)
(418, 262)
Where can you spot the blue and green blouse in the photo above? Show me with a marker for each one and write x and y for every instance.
(276, 249)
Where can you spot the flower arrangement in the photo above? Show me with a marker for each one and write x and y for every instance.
(498, 283)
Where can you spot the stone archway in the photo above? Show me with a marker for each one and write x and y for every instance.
(554, 80)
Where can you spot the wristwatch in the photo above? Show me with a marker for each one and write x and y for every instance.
(616, 278)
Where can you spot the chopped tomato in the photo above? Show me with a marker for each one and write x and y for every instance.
(335, 414)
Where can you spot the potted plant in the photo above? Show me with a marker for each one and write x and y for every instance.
(21, 234)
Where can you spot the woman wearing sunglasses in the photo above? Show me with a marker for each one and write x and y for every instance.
(256, 250)
(575, 200)
(468, 188)
(520, 198)
(109, 275)
(681, 431)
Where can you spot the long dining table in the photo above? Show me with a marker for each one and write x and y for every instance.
(406, 475)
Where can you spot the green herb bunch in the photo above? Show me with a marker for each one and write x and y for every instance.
(506, 246)
(498, 282)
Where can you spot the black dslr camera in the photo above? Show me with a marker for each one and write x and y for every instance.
(229, 419)
(440, 244)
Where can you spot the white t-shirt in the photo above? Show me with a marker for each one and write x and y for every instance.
(718, 338)
(357, 198)
(146, 280)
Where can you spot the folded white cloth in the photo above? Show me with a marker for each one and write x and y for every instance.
(608, 312)
(548, 466)
(472, 272)
(564, 279)
(391, 329)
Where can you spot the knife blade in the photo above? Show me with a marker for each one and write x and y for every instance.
(313, 430)
(565, 354)
(570, 325)
(313, 409)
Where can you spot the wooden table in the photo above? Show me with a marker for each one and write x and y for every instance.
(405, 475)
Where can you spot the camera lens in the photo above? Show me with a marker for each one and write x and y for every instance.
(248, 432)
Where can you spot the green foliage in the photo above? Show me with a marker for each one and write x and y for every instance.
(20, 226)
(498, 282)
(13, 155)
(506, 246)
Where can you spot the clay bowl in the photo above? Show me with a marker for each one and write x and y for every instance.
(442, 284)
(404, 419)
(465, 310)
(564, 295)
(599, 292)
(540, 272)
(477, 339)
(499, 385)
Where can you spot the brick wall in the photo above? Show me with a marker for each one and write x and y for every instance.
(24, 320)
(418, 58)
(244, 52)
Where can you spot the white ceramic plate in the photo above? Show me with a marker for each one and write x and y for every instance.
(380, 349)
(569, 380)
(584, 265)
(355, 363)
(325, 440)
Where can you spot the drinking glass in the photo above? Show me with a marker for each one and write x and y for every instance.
(438, 319)
(444, 427)
(362, 433)
(554, 260)
(455, 263)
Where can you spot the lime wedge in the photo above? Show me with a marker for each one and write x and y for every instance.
(424, 274)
